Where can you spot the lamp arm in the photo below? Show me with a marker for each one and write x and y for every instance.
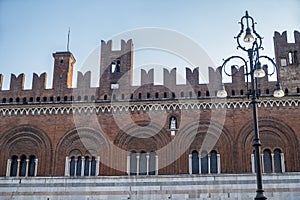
(223, 67)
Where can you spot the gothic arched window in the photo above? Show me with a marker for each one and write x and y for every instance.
(72, 166)
(32, 165)
(267, 161)
(23, 166)
(143, 163)
(152, 163)
(195, 162)
(213, 162)
(277, 161)
(204, 163)
(133, 168)
(14, 166)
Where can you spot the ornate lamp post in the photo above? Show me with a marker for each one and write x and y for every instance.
(253, 69)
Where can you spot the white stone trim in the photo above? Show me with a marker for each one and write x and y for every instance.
(183, 104)
(128, 165)
(219, 163)
(252, 163)
(36, 166)
(67, 171)
(8, 167)
(190, 164)
(97, 166)
(282, 162)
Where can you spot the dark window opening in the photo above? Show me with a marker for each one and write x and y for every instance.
(204, 163)
(58, 98)
(4, 100)
(61, 61)
(11, 100)
(148, 95)
(298, 90)
(165, 95)
(173, 95)
(24, 100)
(199, 93)
(143, 164)
(195, 162)
(241, 92)
(213, 162)
(79, 98)
(23, 166)
(17, 99)
(181, 94)
(38, 99)
(14, 166)
(131, 96)
(207, 93)
(44, 99)
(72, 98)
(133, 163)
(267, 91)
(286, 91)
(105, 97)
(156, 94)
(31, 165)
(31, 99)
(140, 95)
(51, 99)
(277, 161)
(233, 93)
(78, 167)
(65, 98)
(267, 161)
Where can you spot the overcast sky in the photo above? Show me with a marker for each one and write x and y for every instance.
(31, 30)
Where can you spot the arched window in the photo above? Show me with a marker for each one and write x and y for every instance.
(182, 94)
(286, 91)
(267, 161)
(156, 95)
(78, 167)
(72, 166)
(24, 100)
(11, 100)
(152, 163)
(86, 165)
(58, 98)
(17, 99)
(31, 166)
(143, 164)
(31, 99)
(105, 97)
(207, 93)
(51, 98)
(195, 162)
(23, 166)
(93, 166)
(65, 98)
(241, 92)
(277, 161)
(14, 166)
(148, 95)
(165, 95)
(267, 91)
(213, 162)
(232, 92)
(204, 163)
(199, 93)
(4, 100)
(86, 98)
(173, 95)
(133, 168)
(44, 99)
(140, 95)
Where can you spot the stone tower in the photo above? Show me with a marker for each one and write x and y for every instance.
(63, 70)
(288, 61)
(115, 68)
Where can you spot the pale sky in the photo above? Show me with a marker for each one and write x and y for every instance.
(31, 30)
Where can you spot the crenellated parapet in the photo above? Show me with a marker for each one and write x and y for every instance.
(115, 82)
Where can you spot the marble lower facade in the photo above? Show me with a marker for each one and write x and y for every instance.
(158, 187)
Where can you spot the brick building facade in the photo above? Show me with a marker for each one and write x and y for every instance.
(120, 129)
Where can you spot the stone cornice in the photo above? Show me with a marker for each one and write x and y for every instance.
(143, 106)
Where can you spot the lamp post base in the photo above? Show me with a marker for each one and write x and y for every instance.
(260, 195)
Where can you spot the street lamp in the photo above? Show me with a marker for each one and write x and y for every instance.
(253, 69)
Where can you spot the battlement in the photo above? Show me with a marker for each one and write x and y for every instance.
(116, 75)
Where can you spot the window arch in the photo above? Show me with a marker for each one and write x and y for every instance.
(213, 162)
(195, 162)
(31, 170)
(267, 161)
(133, 163)
(23, 166)
(143, 163)
(14, 166)
(204, 163)
(152, 163)
(277, 161)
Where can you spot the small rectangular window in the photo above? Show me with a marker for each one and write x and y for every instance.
(283, 62)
